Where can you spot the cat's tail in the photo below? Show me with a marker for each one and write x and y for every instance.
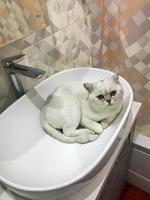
(82, 138)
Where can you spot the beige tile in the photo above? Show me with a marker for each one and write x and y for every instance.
(133, 49)
(3, 83)
(63, 13)
(147, 47)
(69, 47)
(19, 19)
(147, 76)
(113, 8)
(147, 85)
(140, 66)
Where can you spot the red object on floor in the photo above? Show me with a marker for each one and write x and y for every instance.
(133, 193)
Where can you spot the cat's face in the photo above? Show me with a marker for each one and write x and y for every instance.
(107, 92)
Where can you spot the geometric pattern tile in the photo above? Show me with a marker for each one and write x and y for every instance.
(67, 48)
(19, 18)
(63, 13)
(49, 48)
(125, 47)
(55, 15)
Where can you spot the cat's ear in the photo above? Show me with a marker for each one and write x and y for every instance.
(89, 87)
(115, 77)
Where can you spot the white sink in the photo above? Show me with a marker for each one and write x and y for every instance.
(36, 165)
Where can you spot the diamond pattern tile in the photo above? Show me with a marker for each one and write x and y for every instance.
(19, 18)
(125, 47)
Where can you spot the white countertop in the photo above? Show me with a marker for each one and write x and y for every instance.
(91, 191)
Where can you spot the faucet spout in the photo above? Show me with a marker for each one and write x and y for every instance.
(12, 70)
(24, 70)
(27, 71)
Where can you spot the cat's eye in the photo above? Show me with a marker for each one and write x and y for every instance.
(100, 97)
(113, 93)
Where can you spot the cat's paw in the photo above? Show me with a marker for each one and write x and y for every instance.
(98, 129)
(85, 138)
(88, 131)
(81, 139)
(92, 137)
(104, 124)
(71, 133)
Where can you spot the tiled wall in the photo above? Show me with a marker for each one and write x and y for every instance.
(19, 18)
(63, 43)
(121, 42)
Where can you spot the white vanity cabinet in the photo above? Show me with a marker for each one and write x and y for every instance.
(117, 178)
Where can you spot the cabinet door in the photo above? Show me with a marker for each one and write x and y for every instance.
(117, 179)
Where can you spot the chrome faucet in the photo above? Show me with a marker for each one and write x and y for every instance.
(13, 70)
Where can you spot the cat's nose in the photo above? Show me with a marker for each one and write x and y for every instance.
(108, 100)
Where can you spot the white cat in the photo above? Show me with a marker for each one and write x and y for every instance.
(92, 106)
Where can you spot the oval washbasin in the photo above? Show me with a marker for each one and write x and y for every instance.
(31, 160)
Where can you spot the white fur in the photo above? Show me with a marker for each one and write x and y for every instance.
(75, 104)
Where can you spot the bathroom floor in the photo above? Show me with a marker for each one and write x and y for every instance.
(134, 193)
